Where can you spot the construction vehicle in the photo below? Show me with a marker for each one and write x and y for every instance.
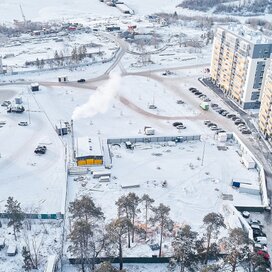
(16, 109)
(204, 105)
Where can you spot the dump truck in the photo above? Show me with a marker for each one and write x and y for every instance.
(204, 105)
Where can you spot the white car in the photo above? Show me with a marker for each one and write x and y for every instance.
(23, 123)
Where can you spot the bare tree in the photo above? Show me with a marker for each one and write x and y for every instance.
(33, 243)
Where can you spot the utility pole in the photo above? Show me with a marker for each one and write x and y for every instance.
(29, 121)
(203, 153)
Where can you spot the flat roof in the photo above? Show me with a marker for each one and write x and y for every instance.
(248, 34)
(86, 146)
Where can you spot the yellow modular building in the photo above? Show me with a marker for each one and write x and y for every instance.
(88, 151)
(240, 60)
(265, 114)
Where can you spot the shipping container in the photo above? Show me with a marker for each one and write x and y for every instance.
(98, 174)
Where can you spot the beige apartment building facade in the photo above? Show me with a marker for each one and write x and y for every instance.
(240, 60)
(265, 114)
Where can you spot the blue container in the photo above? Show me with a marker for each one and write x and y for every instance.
(236, 184)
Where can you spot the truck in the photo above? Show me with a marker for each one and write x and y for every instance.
(149, 131)
(16, 109)
(204, 105)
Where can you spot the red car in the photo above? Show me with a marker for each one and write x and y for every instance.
(264, 254)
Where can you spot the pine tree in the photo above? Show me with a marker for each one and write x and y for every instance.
(27, 259)
(147, 202)
(80, 237)
(15, 215)
(74, 55)
(117, 231)
(237, 245)
(213, 222)
(127, 207)
(87, 236)
(161, 216)
(184, 246)
(85, 209)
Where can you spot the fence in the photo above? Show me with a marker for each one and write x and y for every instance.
(152, 139)
(37, 215)
(146, 260)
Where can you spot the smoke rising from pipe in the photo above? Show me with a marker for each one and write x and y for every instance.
(99, 102)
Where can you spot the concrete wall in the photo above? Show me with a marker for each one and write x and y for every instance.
(151, 139)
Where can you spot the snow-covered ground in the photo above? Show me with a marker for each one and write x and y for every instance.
(44, 236)
(35, 181)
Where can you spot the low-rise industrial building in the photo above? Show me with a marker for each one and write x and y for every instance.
(88, 151)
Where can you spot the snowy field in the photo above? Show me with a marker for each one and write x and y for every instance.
(38, 182)
(194, 188)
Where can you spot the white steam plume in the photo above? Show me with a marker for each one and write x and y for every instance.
(99, 102)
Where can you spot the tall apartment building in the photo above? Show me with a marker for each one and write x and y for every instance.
(265, 114)
(240, 59)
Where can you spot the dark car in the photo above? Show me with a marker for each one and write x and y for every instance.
(175, 124)
(214, 105)
(246, 131)
(82, 80)
(192, 89)
(40, 149)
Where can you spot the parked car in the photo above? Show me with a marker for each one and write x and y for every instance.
(261, 240)
(175, 124)
(180, 102)
(246, 131)
(255, 222)
(6, 103)
(234, 118)
(192, 89)
(23, 123)
(231, 115)
(206, 122)
(207, 100)
(40, 149)
(152, 107)
(82, 80)
(181, 127)
(264, 254)
(214, 105)
(211, 124)
(245, 214)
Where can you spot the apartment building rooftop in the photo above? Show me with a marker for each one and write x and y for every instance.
(248, 34)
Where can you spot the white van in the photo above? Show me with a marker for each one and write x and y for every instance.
(261, 240)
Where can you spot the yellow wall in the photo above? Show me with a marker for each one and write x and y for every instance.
(89, 162)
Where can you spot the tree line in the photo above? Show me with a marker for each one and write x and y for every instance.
(91, 237)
